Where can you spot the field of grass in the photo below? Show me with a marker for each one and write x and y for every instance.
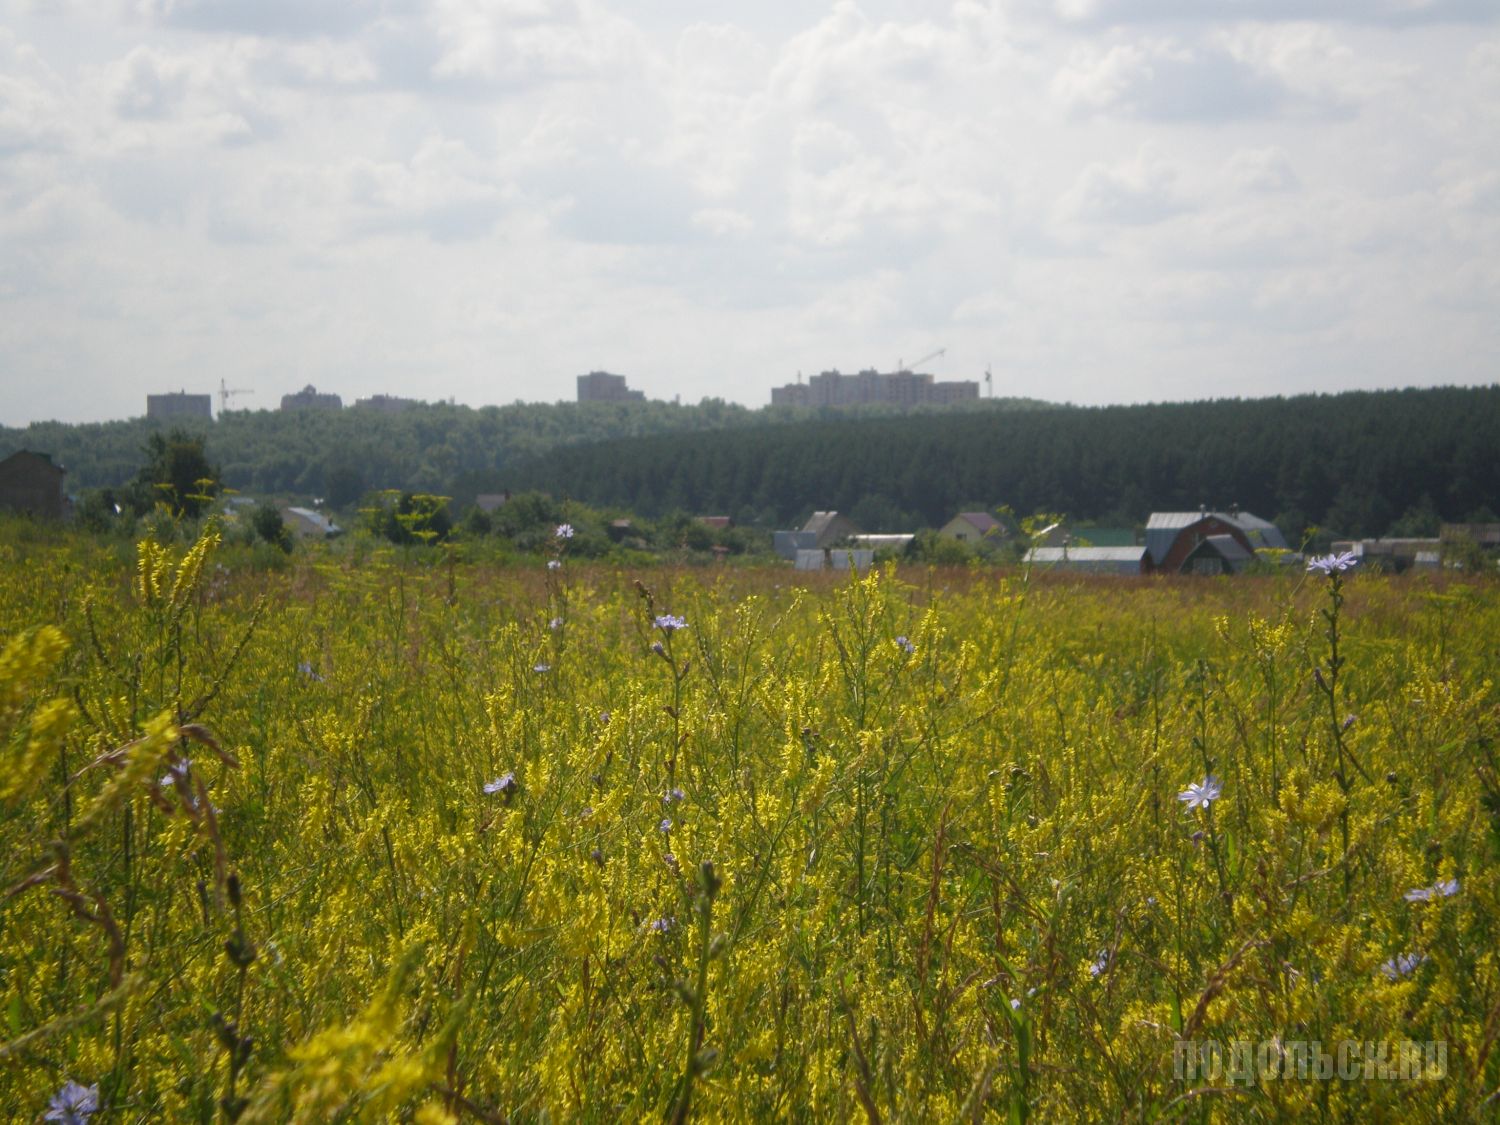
(412, 842)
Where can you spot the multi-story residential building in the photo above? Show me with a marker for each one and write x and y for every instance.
(601, 386)
(179, 404)
(904, 389)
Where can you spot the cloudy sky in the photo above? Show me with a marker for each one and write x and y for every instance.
(1101, 200)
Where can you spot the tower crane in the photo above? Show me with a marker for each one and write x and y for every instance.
(225, 391)
(901, 364)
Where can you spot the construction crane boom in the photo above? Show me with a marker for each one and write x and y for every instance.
(901, 364)
(225, 391)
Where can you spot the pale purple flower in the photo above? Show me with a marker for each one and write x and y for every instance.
(306, 669)
(666, 824)
(1100, 965)
(672, 796)
(670, 622)
(73, 1104)
(1443, 888)
(505, 784)
(564, 531)
(905, 645)
(555, 624)
(658, 648)
(1402, 966)
(1015, 1005)
(542, 668)
(553, 564)
(1203, 793)
(661, 926)
(1327, 564)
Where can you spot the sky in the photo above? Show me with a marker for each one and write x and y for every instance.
(1098, 201)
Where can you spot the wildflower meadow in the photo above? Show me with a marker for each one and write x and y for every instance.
(369, 838)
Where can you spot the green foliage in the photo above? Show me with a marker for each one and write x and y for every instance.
(407, 517)
(177, 474)
(270, 527)
(1353, 462)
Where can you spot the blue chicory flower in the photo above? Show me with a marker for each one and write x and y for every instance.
(1327, 564)
(1203, 793)
(73, 1104)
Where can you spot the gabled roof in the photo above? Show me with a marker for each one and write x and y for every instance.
(315, 520)
(819, 522)
(1229, 548)
(27, 459)
(1163, 528)
(982, 522)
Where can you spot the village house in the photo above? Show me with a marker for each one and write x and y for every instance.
(977, 529)
(822, 531)
(1173, 538)
(32, 485)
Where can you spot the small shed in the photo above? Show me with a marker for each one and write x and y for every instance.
(823, 529)
(308, 524)
(1394, 555)
(32, 485)
(896, 544)
(830, 558)
(1091, 560)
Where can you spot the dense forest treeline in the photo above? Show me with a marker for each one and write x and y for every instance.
(341, 455)
(1359, 463)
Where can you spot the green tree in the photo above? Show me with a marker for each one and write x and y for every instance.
(268, 524)
(177, 474)
(411, 517)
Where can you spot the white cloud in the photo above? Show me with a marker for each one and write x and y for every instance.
(1221, 80)
(1262, 170)
(1139, 192)
(489, 196)
(1104, 13)
(519, 43)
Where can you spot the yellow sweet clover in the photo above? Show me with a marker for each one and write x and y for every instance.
(25, 663)
(956, 877)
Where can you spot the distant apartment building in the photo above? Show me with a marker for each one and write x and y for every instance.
(179, 404)
(904, 389)
(386, 404)
(308, 398)
(601, 386)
